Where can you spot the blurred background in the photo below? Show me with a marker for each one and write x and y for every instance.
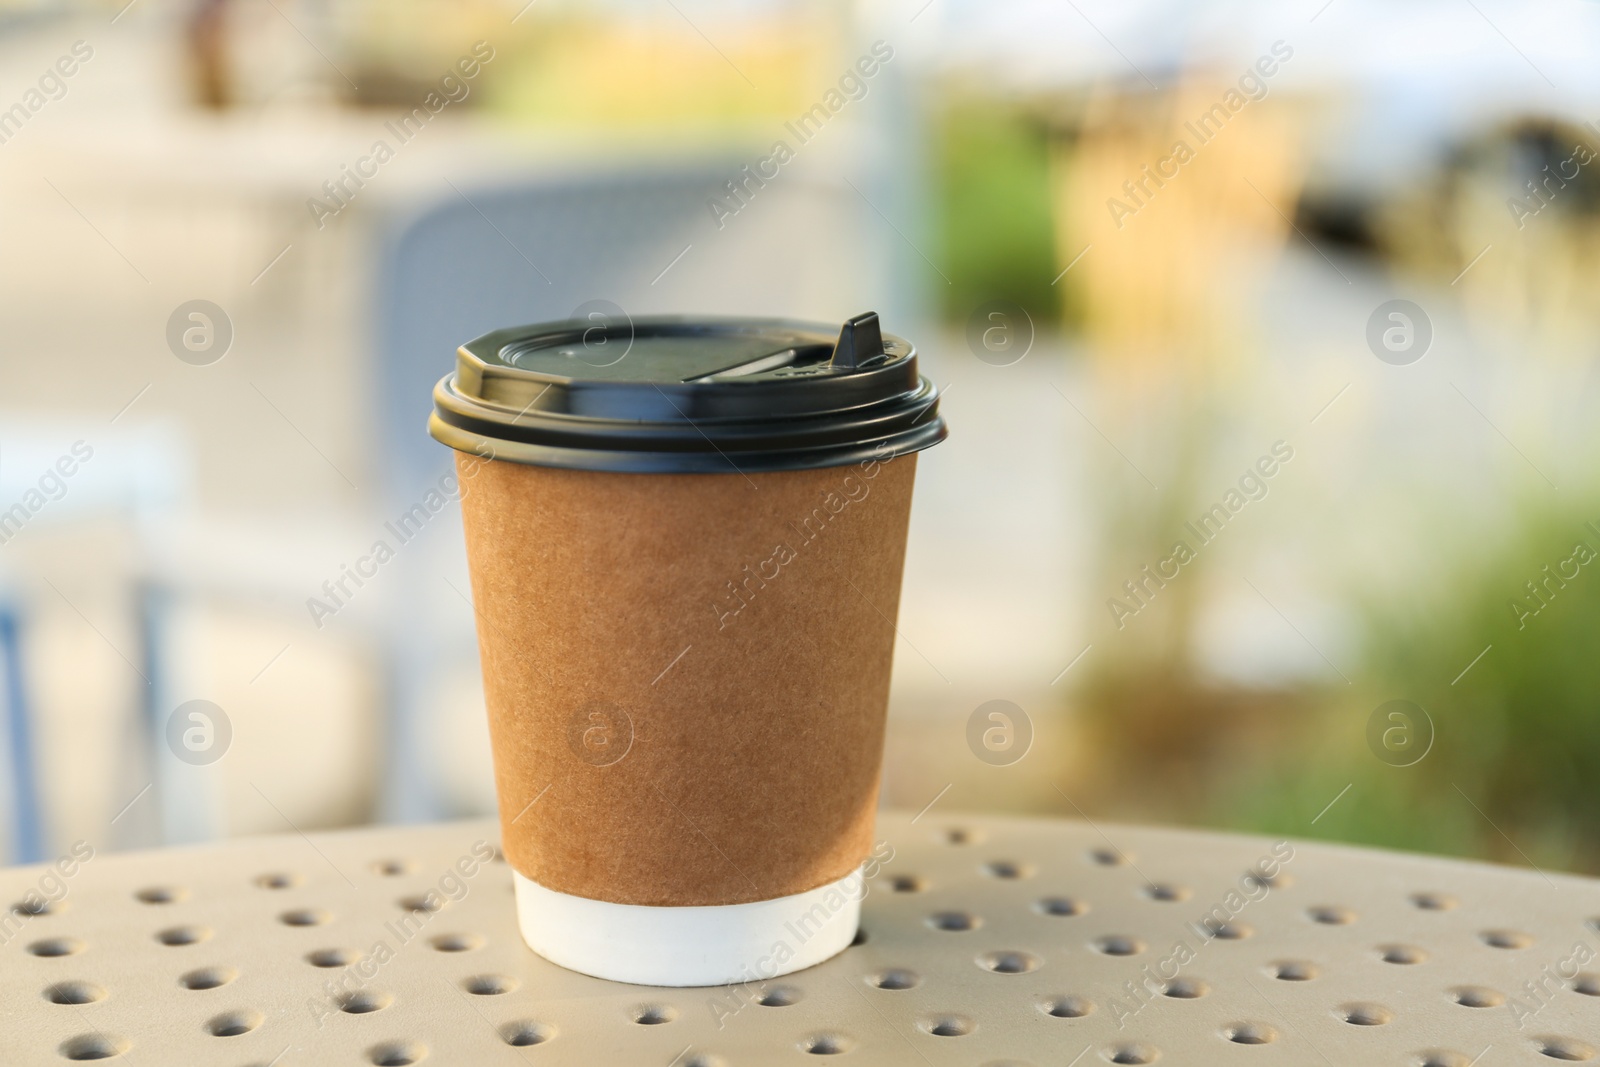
(1267, 334)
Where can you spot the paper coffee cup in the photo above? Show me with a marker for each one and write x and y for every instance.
(686, 540)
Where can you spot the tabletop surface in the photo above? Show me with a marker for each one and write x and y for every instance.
(986, 941)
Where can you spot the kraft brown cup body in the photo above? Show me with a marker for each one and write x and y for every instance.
(686, 674)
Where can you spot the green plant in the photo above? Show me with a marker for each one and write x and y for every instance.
(1516, 736)
(991, 198)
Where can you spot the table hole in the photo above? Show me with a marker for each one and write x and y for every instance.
(52, 947)
(1476, 996)
(946, 1024)
(278, 880)
(393, 868)
(1587, 983)
(780, 997)
(1293, 970)
(396, 1053)
(38, 907)
(1185, 988)
(234, 1023)
(1564, 1048)
(332, 957)
(526, 1032)
(1257, 880)
(954, 920)
(305, 917)
(456, 942)
(895, 978)
(908, 883)
(176, 936)
(1433, 901)
(1232, 930)
(489, 985)
(428, 902)
(363, 1001)
(1164, 893)
(1132, 1052)
(654, 1014)
(1008, 961)
(705, 1059)
(207, 977)
(1249, 1033)
(1365, 1013)
(1505, 939)
(94, 1047)
(1060, 906)
(1007, 869)
(827, 1043)
(1109, 857)
(74, 993)
(960, 835)
(1331, 915)
(160, 894)
(1438, 1057)
(1066, 1006)
(1403, 954)
(1117, 945)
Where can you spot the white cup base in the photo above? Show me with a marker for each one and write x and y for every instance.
(690, 946)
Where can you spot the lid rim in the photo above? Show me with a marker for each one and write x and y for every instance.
(736, 435)
(449, 396)
(707, 461)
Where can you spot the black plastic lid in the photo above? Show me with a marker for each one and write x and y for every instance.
(676, 394)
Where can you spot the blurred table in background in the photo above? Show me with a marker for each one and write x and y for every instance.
(984, 941)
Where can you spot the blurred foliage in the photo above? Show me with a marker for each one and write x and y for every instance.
(415, 38)
(1516, 741)
(1516, 754)
(1530, 190)
(579, 72)
(991, 199)
(572, 66)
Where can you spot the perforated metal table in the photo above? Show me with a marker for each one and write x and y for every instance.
(986, 941)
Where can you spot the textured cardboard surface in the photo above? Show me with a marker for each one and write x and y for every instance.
(686, 675)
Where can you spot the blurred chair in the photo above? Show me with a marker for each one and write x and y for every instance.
(27, 843)
(126, 479)
(481, 258)
(115, 601)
